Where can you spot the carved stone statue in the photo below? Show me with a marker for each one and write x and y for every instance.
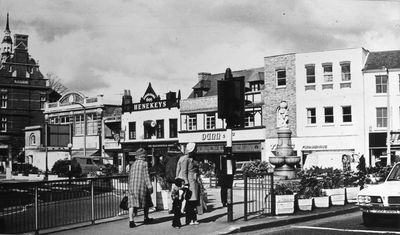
(282, 117)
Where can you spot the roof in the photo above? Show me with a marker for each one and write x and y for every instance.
(379, 59)
(250, 75)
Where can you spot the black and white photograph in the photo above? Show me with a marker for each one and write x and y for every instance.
(199, 117)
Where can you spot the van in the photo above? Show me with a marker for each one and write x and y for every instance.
(89, 164)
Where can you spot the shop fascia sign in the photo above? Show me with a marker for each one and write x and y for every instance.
(151, 105)
(214, 136)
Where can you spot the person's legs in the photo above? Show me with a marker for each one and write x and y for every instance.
(131, 216)
(223, 195)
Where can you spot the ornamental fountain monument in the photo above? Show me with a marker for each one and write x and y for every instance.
(284, 160)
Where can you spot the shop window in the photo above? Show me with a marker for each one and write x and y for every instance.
(381, 83)
(280, 78)
(173, 128)
(328, 114)
(311, 118)
(132, 130)
(210, 121)
(310, 73)
(192, 122)
(346, 75)
(3, 100)
(32, 139)
(64, 120)
(327, 69)
(346, 110)
(79, 125)
(160, 129)
(3, 126)
(381, 117)
(92, 124)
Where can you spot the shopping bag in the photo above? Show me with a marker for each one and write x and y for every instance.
(124, 203)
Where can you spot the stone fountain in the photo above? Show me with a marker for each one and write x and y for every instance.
(284, 160)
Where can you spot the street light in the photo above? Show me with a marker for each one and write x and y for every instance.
(388, 159)
(46, 173)
(70, 157)
(84, 127)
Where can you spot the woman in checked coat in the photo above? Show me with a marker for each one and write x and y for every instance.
(139, 188)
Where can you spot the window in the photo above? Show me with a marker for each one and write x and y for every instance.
(3, 127)
(255, 86)
(311, 118)
(328, 114)
(54, 120)
(79, 122)
(249, 120)
(64, 120)
(92, 124)
(328, 76)
(381, 117)
(173, 128)
(280, 78)
(160, 129)
(32, 139)
(210, 121)
(42, 101)
(346, 75)
(381, 83)
(346, 111)
(198, 93)
(310, 73)
(192, 122)
(132, 130)
(3, 100)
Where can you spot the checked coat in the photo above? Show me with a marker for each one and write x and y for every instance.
(139, 185)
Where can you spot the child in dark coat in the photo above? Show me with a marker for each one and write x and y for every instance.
(177, 195)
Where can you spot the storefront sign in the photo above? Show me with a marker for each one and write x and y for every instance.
(236, 148)
(212, 136)
(151, 105)
(307, 147)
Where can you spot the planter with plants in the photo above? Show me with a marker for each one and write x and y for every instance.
(284, 199)
(352, 182)
(333, 187)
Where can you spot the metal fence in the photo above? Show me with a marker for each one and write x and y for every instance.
(34, 206)
(259, 198)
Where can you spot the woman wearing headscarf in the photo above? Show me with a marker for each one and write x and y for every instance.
(139, 188)
(193, 176)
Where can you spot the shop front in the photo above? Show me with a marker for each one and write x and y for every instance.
(378, 148)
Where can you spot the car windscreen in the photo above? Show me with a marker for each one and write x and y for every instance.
(394, 174)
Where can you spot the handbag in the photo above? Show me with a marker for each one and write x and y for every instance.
(124, 203)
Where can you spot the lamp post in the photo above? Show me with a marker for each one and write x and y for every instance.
(46, 173)
(84, 127)
(70, 158)
(388, 150)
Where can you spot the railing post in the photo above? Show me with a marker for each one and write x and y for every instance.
(92, 200)
(272, 194)
(36, 211)
(245, 196)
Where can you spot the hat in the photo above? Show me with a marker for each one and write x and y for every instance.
(190, 147)
(140, 154)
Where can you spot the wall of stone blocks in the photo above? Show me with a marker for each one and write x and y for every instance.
(272, 95)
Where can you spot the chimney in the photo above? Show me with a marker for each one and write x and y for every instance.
(18, 38)
(204, 76)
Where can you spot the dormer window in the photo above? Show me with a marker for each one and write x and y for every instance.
(198, 93)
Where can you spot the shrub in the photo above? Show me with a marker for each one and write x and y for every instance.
(286, 188)
(310, 186)
(257, 167)
(61, 168)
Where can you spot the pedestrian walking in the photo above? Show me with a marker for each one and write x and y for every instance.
(139, 188)
(170, 163)
(177, 195)
(193, 175)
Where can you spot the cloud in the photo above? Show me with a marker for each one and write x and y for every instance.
(108, 46)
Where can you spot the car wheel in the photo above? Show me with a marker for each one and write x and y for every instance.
(369, 219)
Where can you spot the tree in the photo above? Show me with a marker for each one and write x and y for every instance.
(56, 84)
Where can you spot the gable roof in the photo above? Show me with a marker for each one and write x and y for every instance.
(248, 74)
(379, 59)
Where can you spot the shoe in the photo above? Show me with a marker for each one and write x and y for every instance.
(194, 223)
(148, 220)
(132, 224)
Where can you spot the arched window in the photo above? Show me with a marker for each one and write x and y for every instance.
(32, 139)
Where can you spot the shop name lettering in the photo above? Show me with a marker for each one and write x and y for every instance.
(152, 105)
(212, 136)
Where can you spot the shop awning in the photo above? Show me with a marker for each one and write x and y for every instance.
(88, 153)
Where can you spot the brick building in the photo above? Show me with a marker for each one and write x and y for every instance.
(23, 92)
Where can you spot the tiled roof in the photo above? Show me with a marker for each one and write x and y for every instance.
(248, 74)
(379, 59)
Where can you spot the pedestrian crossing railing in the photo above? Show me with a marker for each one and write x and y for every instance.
(259, 198)
(34, 206)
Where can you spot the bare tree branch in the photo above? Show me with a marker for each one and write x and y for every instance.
(56, 84)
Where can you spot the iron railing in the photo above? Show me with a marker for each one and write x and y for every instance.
(34, 206)
(259, 198)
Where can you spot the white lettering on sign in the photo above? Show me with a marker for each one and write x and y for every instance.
(212, 136)
(152, 105)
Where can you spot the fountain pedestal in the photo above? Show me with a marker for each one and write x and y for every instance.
(284, 160)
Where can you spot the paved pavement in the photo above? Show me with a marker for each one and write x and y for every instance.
(214, 221)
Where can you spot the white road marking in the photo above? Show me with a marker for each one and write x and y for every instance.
(346, 230)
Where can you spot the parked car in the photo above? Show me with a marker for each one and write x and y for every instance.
(382, 200)
(89, 165)
(239, 169)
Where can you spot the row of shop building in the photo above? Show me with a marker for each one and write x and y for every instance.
(341, 102)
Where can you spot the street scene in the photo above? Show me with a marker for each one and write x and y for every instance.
(206, 117)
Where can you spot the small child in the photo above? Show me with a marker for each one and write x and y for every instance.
(177, 195)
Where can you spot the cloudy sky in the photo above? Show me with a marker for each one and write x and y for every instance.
(104, 47)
